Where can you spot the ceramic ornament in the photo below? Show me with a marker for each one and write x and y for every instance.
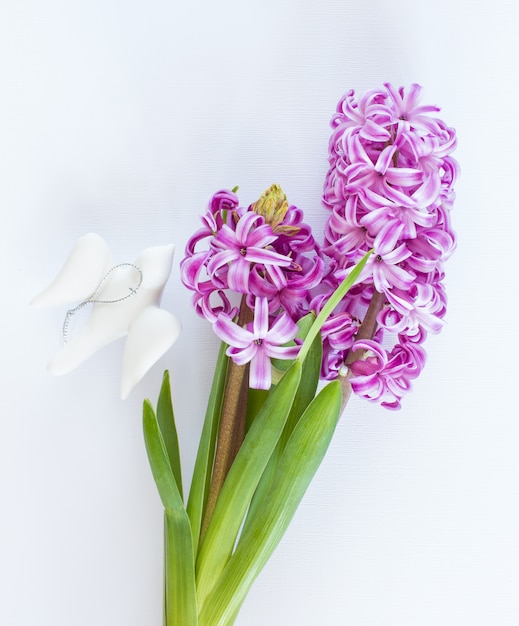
(125, 300)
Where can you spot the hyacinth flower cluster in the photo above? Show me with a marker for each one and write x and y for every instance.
(265, 255)
(389, 188)
(372, 292)
(354, 311)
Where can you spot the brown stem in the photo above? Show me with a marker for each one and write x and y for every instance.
(366, 331)
(232, 425)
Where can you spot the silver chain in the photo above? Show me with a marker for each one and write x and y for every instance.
(92, 298)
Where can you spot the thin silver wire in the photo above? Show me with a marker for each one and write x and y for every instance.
(91, 299)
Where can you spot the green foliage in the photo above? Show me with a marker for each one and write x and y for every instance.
(304, 395)
(242, 481)
(205, 456)
(180, 590)
(289, 429)
(299, 461)
(167, 426)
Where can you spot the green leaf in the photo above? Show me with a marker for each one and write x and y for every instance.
(305, 394)
(309, 378)
(181, 602)
(242, 481)
(204, 460)
(180, 589)
(305, 323)
(299, 462)
(159, 460)
(255, 400)
(168, 429)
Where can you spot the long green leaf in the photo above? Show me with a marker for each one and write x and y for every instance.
(181, 602)
(309, 380)
(255, 400)
(168, 429)
(180, 589)
(159, 460)
(242, 481)
(205, 456)
(300, 460)
(305, 394)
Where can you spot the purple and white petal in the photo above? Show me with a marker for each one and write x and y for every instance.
(260, 374)
(231, 333)
(238, 275)
(284, 329)
(241, 356)
(261, 318)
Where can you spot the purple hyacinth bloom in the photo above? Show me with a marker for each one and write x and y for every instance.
(258, 342)
(264, 253)
(384, 376)
(223, 200)
(389, 188)
(245, 245)
(386, 262)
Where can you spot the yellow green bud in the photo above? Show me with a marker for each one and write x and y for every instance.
(273, 206)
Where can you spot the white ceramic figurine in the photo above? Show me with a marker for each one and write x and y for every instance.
(125, 300)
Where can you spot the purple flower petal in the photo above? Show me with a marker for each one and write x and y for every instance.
(284, 329)
(384, 159)
(244, 225)
(238, 275)
(261, 318)
(226, 238)
(404, 176)
(243, 355)
(231, 333)
(261, 237)
(258, 255)
(260, 376)
(222, 258)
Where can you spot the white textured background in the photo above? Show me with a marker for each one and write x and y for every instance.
(122, 117)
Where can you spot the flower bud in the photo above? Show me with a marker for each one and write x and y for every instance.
(273, 206)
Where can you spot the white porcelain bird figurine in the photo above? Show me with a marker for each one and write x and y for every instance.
(125, 300)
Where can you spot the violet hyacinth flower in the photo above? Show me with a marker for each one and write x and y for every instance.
(264, 254)
(390, 189)
(237, 249)
(258, 343)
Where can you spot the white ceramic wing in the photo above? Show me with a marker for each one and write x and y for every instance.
(150, 336)
(156, 263)
(82, 272)
(99, 330)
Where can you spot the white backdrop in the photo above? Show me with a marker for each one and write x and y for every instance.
(122, 118)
